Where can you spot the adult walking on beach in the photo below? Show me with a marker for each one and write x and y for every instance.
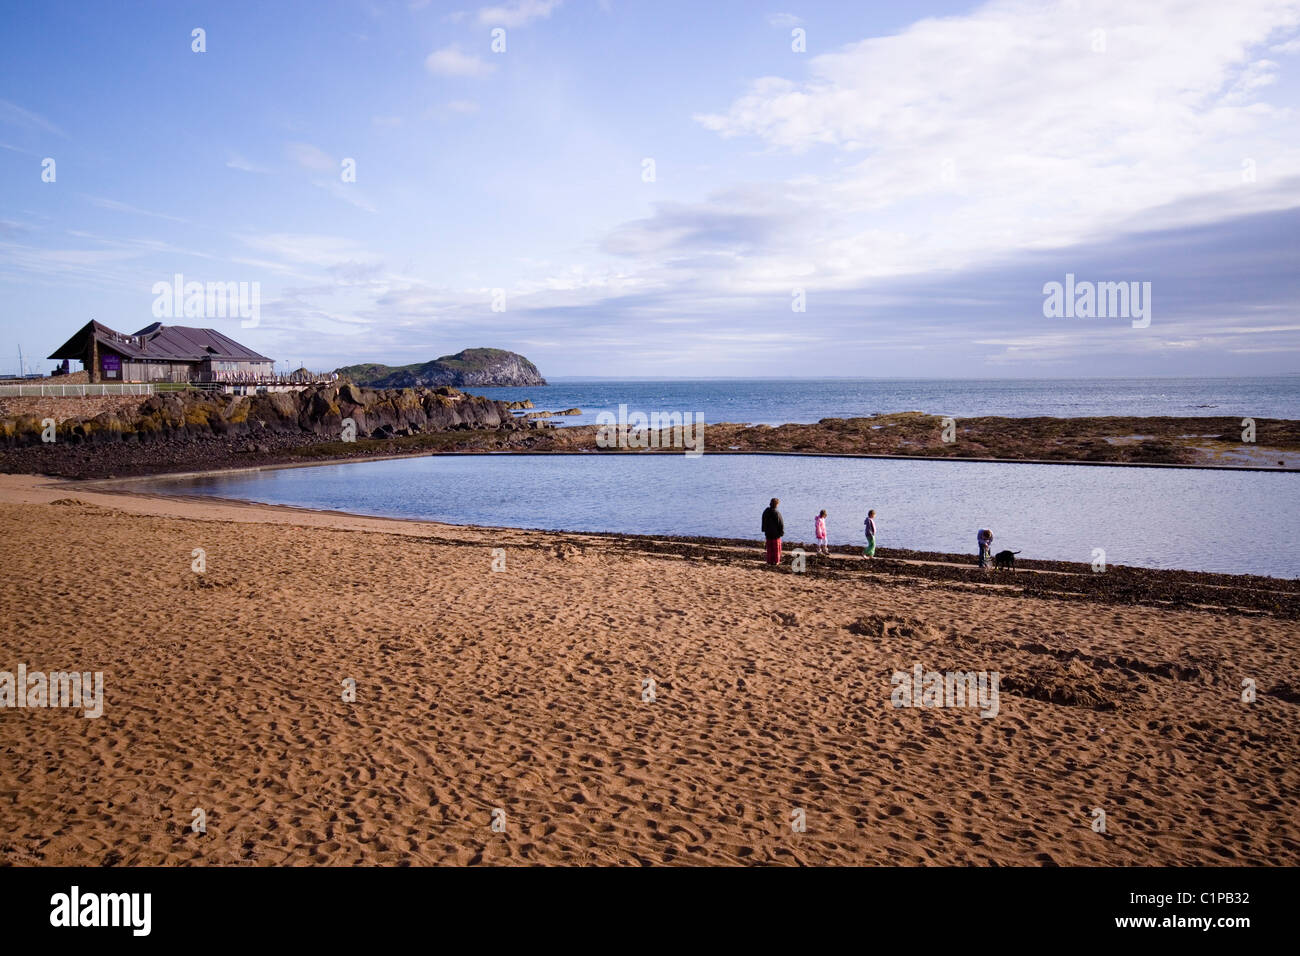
(870, 525)
(985, 542)
(773, 531)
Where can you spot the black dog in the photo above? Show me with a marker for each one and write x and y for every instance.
(1005, 559)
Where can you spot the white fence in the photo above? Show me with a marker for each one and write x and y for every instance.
(74, 391)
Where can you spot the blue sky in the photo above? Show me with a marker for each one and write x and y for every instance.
(919, 173)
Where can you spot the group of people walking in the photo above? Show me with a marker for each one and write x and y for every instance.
(774, 531)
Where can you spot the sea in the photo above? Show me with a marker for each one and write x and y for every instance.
(1192, 519)
(780, 401)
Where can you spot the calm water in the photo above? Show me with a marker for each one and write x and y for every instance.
(776, 402)
(1236, 522)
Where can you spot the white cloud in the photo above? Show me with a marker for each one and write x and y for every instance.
(311, 157)
(784, 20)
(517, 13)
(962, 138)
(310, 249)
(450, 61)
(236, 161)
(463, 106)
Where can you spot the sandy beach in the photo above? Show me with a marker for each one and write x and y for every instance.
(519, 696)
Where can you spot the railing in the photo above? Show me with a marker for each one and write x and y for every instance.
(234, 380)
(290, 378)
(266, 383)
(73, 391)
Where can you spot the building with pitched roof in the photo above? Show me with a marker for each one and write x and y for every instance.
(163, 353)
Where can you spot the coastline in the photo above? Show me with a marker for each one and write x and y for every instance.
(168, 485)
(1157, 586)
(524, 452)
(160, 469)
(108, 446)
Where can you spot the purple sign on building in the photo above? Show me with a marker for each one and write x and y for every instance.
(110, 365)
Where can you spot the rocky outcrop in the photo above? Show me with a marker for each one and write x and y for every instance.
(319, 412)
(477, 367)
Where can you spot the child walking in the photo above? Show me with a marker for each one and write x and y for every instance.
(870, 525)
(819, 530)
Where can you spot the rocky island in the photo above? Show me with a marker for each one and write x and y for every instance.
(484, 368)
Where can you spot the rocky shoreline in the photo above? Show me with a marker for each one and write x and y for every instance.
(1104, 440)
(199, 431)
(1238, 594)
(196, 431)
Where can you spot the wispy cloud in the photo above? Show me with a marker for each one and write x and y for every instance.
(450, 61)
(326, 174)
(15, 115)
(109, 263)
(311, 249)
(784, 20)
(518, 13)
(235, 161)
(311, 157)
(118, 206)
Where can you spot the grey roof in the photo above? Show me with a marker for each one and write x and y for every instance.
(166, 343)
